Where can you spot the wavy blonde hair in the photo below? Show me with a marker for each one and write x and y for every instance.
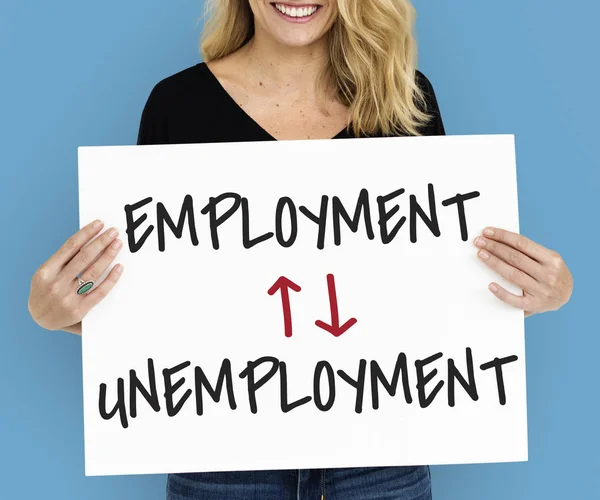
(372, 63)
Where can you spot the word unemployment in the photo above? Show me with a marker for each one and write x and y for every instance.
(221, 208)
(367, 375)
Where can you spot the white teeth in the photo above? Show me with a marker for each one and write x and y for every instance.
(296, 12)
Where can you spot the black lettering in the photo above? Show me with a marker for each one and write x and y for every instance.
(391, 387)
(119, 405)
(247, 241)
(133, 224)
(358, 384)
(285, 406)
(214, 220)
(362, 205)
(283, 202)
(170, 388)
(321, 220)
(385, 216)
(324, 365)
(415, 209)
(459, 199)
(254, 385)
(136, 385)
(225, 377)
(469, 386)
(162, 216)
(497, 363)
(423, 379)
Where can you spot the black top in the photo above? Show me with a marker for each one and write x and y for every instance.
(193, 107)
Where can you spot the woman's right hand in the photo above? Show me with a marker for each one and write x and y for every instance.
(53, 300)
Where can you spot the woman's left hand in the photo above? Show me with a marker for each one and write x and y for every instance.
(542, 273)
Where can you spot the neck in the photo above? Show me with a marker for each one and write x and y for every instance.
(295, 67)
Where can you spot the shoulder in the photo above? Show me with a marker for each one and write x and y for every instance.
(421, 79)
(435, 126)
(172, 108)
(178, 87)
(425, 85)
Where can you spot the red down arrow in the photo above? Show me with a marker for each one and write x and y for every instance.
(334, 328)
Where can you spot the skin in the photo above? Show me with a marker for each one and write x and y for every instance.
(541, 273)
(53, 303)
(272, 78)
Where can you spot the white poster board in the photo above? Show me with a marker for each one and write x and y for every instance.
(293, 334)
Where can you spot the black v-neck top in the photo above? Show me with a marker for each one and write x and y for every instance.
(192, 106)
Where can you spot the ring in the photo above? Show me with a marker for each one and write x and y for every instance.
(84, 286)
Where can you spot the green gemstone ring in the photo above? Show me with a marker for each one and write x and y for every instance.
(84, 286)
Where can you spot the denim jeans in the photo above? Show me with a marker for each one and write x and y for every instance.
(370, 483)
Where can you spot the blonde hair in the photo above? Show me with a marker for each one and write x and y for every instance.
(372, 63)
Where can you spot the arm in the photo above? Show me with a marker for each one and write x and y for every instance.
(76, 329)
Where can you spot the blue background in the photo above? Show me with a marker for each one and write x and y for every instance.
(78, 73)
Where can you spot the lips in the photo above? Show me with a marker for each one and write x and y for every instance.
(296, 12)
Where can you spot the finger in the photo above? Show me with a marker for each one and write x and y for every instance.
(98, 268)
(520, 242)
(518, 301)
(510, 273)
(512, 256)
(92, 298)
(86, 256)
(69, 248)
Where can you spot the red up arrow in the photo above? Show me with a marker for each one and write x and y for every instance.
(335, 329)
(284, 285)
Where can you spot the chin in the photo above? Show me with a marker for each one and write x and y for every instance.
(296, 40)
(297, 23)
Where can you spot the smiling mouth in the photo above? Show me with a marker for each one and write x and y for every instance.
(296, 12)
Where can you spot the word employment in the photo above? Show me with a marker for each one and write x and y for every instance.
(221, 208)
(177, 391)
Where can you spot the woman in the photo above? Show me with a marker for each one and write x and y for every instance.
(294, 70)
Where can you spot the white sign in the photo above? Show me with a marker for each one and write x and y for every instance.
(302, 304)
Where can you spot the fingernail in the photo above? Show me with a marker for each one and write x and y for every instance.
(480, 242)
(97, 224)
(488, 231)
(484, 255)
(493, 287)
(117, 244)
(113, 232)
(118, 269)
